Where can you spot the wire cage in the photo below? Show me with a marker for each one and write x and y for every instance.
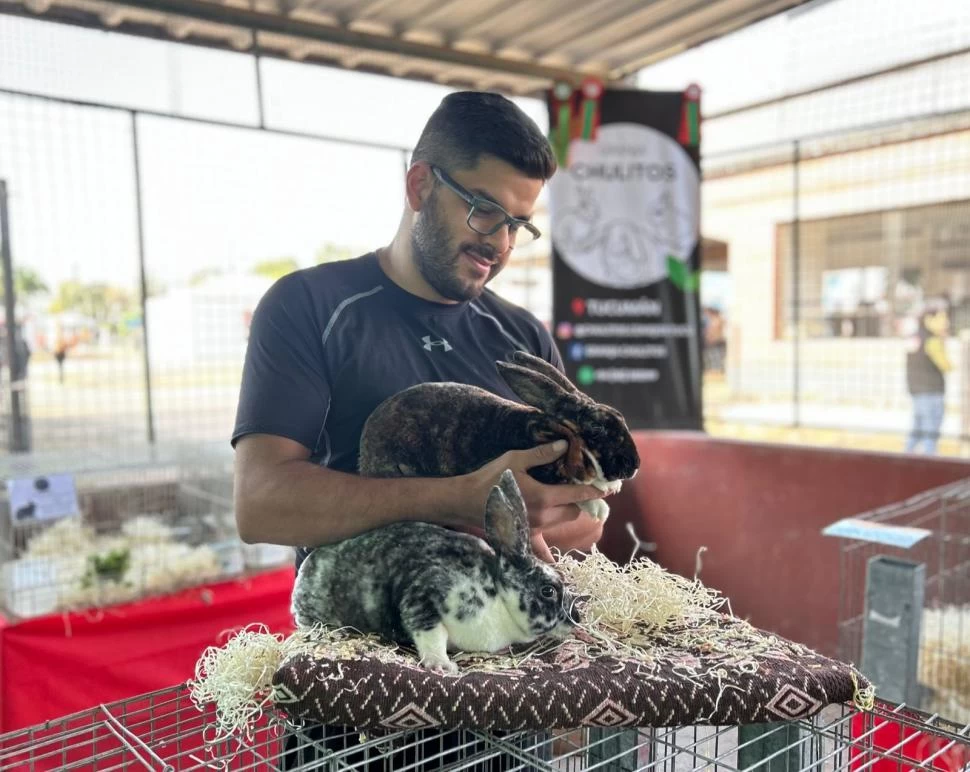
(913, 554)
(164, 730)
(148, 521)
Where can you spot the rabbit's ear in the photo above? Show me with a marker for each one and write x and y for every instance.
(541, 366)
(533, 388)
(506, 521)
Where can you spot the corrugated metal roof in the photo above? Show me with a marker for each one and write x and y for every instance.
(518, 46)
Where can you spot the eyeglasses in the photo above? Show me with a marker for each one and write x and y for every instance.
(487, 217)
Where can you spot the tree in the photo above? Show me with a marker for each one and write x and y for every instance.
(26, 282)
(103, 303)
(331, 252)
(276, 268)
(203, 275)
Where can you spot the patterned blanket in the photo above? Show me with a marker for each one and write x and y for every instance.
(728, 672)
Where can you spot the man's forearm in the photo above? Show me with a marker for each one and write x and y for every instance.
(299, 503)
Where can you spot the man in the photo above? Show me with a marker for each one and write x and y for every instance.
(328, 344)
(926, 367)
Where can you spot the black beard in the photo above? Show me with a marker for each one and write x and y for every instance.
(437, 261)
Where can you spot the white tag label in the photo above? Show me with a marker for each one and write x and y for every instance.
(864, 530)
(875, 616)
(46, 497)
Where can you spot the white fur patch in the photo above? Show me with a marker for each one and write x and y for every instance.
(597, 508)
(490, 628)
(600, 481)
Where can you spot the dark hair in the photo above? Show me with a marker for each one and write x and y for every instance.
(470, 124)
(932, 307)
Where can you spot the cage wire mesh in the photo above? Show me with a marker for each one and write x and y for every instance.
(164, 730)
(834, 205)
(943, 669)
(148, 521)
(835, 184)
(97, 192)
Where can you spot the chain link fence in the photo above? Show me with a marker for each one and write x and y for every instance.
(145, 223)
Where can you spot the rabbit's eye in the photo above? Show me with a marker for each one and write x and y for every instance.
(548, 592)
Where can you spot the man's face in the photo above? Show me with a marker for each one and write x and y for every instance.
(937, 323)
(455, 260)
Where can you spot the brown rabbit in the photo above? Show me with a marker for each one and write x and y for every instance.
(446, 429)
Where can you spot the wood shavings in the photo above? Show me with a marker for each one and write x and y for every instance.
(91, 571)
(944, 661)
(238, 677)
(66, 537)
(628, 605)
(863, 699)
(146, 530)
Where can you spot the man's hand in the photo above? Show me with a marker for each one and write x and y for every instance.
(539, 547)
(548, 505)
(579, 534)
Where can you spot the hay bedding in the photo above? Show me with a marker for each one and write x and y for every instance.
(654, 650)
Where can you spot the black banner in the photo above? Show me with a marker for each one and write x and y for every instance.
(625, 211)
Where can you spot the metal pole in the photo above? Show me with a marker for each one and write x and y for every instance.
(18, 441)
(796, 288)
(892, 621)
(259, 82)
(143, 279)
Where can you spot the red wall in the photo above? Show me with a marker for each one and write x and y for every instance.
(760, 509)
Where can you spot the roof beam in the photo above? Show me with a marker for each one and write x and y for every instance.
(594, 13)
(643, 18)
(256, 20)
(372, 8)
(486, 15)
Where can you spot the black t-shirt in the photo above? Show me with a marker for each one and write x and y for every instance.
(922, 374)
(328, 344)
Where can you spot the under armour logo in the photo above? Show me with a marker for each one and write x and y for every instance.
(430, 345)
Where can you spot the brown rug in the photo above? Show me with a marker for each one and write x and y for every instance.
(730, 673)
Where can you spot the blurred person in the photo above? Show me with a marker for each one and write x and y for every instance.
(61, 347)
(715, 344)
(328, 344)
(926, 368)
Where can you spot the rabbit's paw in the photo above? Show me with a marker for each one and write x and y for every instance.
(432, 646)
(597, 509)
(440, 666)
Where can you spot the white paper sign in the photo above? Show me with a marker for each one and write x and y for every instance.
(629, 201)
(46, 497)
